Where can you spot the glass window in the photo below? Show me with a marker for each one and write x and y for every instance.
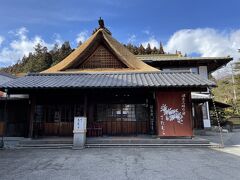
(58, 113)
(205, 111)
(191, 69)
(122, 112)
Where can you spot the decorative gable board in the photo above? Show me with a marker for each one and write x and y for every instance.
(102, 58)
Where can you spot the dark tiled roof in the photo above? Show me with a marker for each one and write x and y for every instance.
(5, 77)
(109, 80)
(166, 61)
(180, 58)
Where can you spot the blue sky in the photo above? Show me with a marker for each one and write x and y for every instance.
(23, 23)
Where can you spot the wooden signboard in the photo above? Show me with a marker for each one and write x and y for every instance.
(174, 114)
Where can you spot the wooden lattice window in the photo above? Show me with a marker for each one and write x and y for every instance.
(102, 58)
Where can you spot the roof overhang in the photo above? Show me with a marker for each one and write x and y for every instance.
(151, 80)
(219, 104)
(200, 97)
(213, 63)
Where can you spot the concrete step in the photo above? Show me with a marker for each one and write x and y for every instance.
(45, 141)
(151, 145)
(102, 142)
(69, 146)
(147, 141)
(44, 146)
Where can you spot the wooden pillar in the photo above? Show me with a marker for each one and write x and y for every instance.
(152, 113)
(85, 105)
(157, 124)
(32, 114)
(5, 124)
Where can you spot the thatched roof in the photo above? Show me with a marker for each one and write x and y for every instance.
(101, 36)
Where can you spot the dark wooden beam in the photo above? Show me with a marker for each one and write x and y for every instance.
(32, 114)
(85, 105)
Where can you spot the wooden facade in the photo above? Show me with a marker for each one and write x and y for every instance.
(14, 117)
(119, 112)
(109, 112)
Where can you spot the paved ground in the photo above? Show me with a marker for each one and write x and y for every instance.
(124, 163)
(231, 141)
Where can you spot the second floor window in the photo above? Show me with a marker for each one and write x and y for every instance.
(191, 69)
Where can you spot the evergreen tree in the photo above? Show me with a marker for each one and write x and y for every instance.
(61, 53)
(154, 51)
(161, 51)
(79, 43)
(141, 49)
(135, 50)
(148, 49)
(40, 60)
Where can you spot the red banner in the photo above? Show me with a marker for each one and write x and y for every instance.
(174, 114)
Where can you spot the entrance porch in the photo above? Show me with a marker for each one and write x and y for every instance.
(109, 113)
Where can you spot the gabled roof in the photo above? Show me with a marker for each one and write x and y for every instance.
(101, 36)
(109, 80)
(168, 60)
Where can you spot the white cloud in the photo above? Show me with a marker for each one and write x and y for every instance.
(152, 41)
(1, 40)
(147, 32)
(57, 38)
(206, 42)
(19, 47)
(132, 39)
(82, 36)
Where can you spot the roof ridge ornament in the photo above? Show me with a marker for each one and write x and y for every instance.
(101, 23)
(101, 26)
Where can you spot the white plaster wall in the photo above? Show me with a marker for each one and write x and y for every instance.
(203, 71)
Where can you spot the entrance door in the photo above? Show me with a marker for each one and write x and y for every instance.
(198, 116)
(123, 119)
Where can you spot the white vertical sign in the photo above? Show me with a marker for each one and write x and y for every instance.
(80, 123)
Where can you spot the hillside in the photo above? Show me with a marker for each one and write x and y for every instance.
(224, 91)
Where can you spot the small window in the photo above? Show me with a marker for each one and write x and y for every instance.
(191, 69)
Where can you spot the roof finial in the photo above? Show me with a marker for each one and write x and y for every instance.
(101, 23)
(102, 27)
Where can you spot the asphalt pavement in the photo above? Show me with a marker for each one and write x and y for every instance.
(118, 163)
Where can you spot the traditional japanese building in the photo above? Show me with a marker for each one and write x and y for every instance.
(203, 66)
(117, 92)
